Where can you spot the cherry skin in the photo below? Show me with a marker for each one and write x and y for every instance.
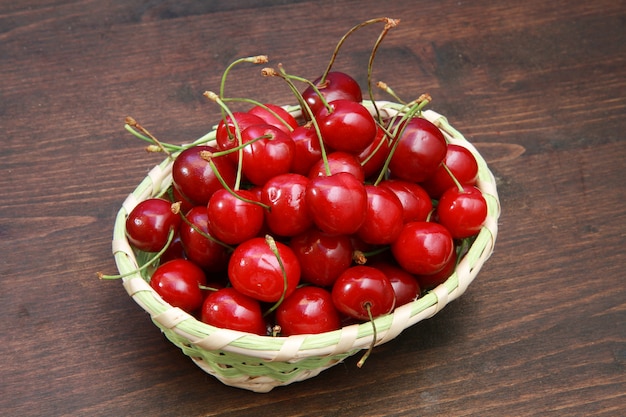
(461, 162)
(148, 225)
(347, 126)
(275, 116)
(204, 252)
(383, 221)
(405, 286)
(338, 162)
(194, 178)
(337, 85)
(254, 270)
(268, 157)
(232, 220)
(423, 247)
(285, 195)
(307, 151)
(420, 150)
(229, 309)
(360, 287)
(225, 134)
(309, 310)
(416, 203)
(322, 257)
(430, 281)
(373, 157)
(462, 212)
(337, 203)
(178, 283)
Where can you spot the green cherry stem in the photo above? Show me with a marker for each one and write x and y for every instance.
(390, 24)
(452, 176)
(156, 257)
(132, 126)
(257, 59)
(262, 105)
(197, 229)
(366, 355)
(272, 244)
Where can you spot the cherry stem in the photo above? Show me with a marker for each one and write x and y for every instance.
(361, 362)
(232, 190)
(132, 123)
(257, 59)
(214, 97)
(206, 288)
(416, 108)
(385, 87)
(453, 177)
(306, 109)
(198, 230)
(343, 39)
(390, 23)
(206, 155)
(272, 244)
(170, 238)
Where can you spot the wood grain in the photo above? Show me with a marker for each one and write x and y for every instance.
(539, 86)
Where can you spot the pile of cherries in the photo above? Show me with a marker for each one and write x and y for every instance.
(300, 225)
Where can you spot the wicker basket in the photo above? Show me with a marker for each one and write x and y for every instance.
(260, 363)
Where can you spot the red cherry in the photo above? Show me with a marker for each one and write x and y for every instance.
(309, 310)
(194, 178)
(285, 195)
(178, 283)
(337, 85)
(148, 225)
(254, 270)
(416, 203)
(338, 162)
(420, 150)
(307, 150)
(337, 203)
(229, 309)
(423, 247)
(225, 134)
(347, 126)
(373, 157)
(204, 252)
(461, 162)
(359, 287)
(462, 212)
(428, 282)
(232, 220)
(383, 218)
(322, 257)
(266, 158)
(285, 121)
(405, 286)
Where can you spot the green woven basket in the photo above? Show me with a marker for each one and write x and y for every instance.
(260, 363)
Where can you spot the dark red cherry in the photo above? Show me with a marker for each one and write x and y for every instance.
(416, 203)
(347, 126)
(309, 310)
(148, 225)
(268, 157)
(194, 178)
(288, 214)
(383, 219)
(420, 150)
(373, 158)
(337, 85)
(307, 150)
(361, 287)
(338, 162)
(275, 116)
(462, 212)
(178, 283)
(461, 162)
(254, 270)
(225, 134)
(232, 220)
(405, 285)
(423, 248)
(430, 281)
(229, 309)
(204, 252)
(337, 203)
(322, 257)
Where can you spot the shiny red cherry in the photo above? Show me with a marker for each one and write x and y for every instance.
(267, 157)
(423, 247)
(383, 217)
(148, 225)
(275, 116)
(309, 310)
(204, 252)
(346, 126)
(461, 162)
(416, 203)
(178, 283)
(229, 309)
(232, 220)
(337, 85)
(288, 214)
(462, 212)
(338, 162)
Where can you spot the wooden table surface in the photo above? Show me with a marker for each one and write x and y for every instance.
(540, 88)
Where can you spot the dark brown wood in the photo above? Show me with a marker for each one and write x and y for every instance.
(539, 86)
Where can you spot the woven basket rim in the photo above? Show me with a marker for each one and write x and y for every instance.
(297, 347)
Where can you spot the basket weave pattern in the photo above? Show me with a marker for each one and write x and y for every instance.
(260, 363)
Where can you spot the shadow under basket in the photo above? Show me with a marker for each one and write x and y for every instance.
(260, 363)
